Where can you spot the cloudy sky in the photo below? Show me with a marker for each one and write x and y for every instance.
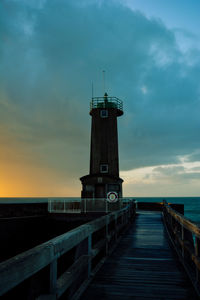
(50, 53)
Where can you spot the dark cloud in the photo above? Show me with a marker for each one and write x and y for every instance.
(53, 50)
(194, 157)
(190, 176)
(169, 171)
(176, 174)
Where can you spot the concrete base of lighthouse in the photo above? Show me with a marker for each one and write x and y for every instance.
(97, 187)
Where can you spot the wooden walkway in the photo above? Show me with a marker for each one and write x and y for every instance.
(143, 266)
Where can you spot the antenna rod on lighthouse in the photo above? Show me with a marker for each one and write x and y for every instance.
(104, 88)
(92, 90)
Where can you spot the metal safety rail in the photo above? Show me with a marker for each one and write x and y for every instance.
(185, 237)
(66, 263)
(106, 102)
(63, 205)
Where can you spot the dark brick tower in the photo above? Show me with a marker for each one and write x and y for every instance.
(104, 159)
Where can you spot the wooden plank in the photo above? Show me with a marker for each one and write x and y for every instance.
(143, 266)
(46, 297)
(66, 279)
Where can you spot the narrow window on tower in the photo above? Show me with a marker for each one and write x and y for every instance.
(104, 113)
(104, 168)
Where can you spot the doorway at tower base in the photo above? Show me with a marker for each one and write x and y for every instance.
(100, 205)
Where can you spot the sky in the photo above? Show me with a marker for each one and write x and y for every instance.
(50, 54)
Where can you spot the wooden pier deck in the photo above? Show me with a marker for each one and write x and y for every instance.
(143, 266)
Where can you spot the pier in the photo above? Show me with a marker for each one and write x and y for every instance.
(148, 252)
(143, 266)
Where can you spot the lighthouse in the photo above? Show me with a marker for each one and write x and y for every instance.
(103, 180)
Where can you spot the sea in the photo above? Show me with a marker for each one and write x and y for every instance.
(191, 204)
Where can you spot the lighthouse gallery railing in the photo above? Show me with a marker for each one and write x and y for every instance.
(106, 102)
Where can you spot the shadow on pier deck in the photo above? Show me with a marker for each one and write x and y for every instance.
(143, 266)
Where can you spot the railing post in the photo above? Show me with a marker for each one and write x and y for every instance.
(50, 207)
(89, 254)
(122, 218)
(197, 253)
(85, 205)
(183, 240)
(171, 225)
(129, 213)
(107, 242)
(53, 276)
(115, 227)
(64, 206)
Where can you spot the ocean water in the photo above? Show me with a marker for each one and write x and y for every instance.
(191, 204)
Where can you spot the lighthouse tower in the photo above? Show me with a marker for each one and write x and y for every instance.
(103, 179)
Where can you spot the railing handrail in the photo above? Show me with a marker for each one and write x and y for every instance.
(85, 205)
(185, 237)
(106, 101)
(106, 98)
(32, 261)
(82, 199)
(195, 229)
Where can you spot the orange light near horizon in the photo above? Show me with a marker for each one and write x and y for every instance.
(28, 180)
(37, 187)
